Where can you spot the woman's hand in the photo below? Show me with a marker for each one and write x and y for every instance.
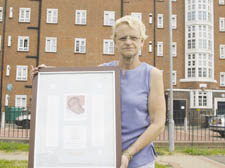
(124, 161)
(35, 70)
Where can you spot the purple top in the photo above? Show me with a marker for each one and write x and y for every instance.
(134, 92)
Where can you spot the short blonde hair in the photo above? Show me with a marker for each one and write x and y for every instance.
(133, 22)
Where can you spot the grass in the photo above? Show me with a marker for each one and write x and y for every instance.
(14, 146)
(13, 164)
(24, 147)
(24, 164)
(192, 151)
(162, 166)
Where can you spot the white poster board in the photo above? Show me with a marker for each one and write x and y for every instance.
(75, 119)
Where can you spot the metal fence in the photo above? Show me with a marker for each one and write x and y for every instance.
(15, 123)
(196, 127)
(193, 128)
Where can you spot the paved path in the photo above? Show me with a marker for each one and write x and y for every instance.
(176, 160)
(13, 155)
(188, 161)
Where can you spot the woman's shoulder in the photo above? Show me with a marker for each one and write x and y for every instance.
(153, 69)
(112, 63)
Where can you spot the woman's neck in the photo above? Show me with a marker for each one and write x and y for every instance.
(127, 64)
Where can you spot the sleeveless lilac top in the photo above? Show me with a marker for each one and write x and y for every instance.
(134, 92)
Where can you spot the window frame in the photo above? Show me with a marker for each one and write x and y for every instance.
(52, 48)
(174, 49)
(23, 48)
(160, 48)
(137, 15)
(52, 18)
(222, 51)
(1, 14)
(222, 24)
(222, 81)
(221, 2)
(21, 104)
(160, 21)
(106, 50)
(26, 18)
(174, 79)
(81, 40)
(21, 73)
(150, 46)
(199, 97)
(110, 20)
(174, 21)
(82, 17)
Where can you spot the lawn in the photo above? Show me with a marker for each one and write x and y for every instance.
(24, 147)
(13, 164)
(24, 164)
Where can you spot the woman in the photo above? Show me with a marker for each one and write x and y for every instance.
(142, 95)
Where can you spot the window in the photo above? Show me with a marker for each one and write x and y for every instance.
(174, 21)
(174, 77)
(7, 99)
(150, 18)
(9, 41)
(23, 43)
(221, 2)
(80, 45)
(24, 15)
(191, 66)
(222, 78)
(11, 12)
(191, 39)
(150, 46)
(222, 24)
(174, 49)
(137, 15)
(109, 18)
(21, 101)
(50, 44)
(108, 47)
(1, 14)
(21, 72)
(81, 17)
(160, 21)
(201, 99)
(222, 51)
(160, 48)
(52, 16)
(8, 68)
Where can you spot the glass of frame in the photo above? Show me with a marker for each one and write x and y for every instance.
(75, 118)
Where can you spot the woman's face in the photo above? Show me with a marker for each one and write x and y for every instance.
(128, 41)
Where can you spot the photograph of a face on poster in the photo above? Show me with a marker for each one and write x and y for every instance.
(75, 106)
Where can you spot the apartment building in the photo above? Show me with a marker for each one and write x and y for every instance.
(77, 33)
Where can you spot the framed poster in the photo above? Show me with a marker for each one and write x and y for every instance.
(75, 121)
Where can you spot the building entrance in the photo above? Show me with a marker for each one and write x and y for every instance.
(179, 111)
(220, 108)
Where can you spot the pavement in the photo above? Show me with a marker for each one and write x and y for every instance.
(175, 160)
(189, 161)
(13, 155)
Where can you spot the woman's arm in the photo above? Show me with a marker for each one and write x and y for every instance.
(157, 112)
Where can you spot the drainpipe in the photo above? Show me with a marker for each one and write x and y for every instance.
(154, 35)
(39, 32)
(122, 8)
(3, 54)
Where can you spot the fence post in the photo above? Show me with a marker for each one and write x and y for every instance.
(185, 124)
(3, 120)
